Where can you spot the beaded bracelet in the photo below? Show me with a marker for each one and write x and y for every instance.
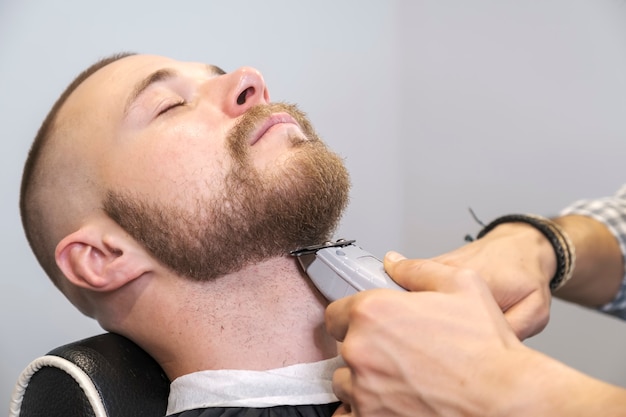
(561, 243)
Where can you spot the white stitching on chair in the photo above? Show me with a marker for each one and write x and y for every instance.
(68, 367)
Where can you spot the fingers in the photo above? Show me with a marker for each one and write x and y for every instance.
(346, 311)
(528, 318)
(337, 317)
(342, 384)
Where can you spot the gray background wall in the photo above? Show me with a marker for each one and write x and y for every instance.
(437, 106)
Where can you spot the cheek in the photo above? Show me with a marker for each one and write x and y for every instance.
(168, 165)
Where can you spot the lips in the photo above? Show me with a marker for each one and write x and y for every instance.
(267, 124)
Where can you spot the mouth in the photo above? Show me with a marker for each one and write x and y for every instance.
(267, 124)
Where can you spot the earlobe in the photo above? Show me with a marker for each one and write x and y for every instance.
(99, 260)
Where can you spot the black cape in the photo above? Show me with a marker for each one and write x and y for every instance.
(320, 410)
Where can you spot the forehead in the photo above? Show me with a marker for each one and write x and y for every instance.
(109, 87)
(130, 69)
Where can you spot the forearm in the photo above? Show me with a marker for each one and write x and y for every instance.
(541, 386)
(599, 265)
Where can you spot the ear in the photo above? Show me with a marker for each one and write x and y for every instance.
(101, 256)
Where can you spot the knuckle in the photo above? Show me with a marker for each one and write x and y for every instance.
(367, 307)
(366, 316)
(354, 351)
(469, 279)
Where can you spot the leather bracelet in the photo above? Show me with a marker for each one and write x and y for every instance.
(562, 245)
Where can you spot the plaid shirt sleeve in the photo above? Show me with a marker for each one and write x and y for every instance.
(612, 212)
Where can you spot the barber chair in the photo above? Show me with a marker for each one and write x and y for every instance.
(101, 376)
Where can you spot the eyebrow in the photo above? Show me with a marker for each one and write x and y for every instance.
(162, 74)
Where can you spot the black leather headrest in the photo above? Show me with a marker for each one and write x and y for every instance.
(105, 375)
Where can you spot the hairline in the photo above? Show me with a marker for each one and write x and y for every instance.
(29, 212)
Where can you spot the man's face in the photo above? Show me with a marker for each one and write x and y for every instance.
(196, 165)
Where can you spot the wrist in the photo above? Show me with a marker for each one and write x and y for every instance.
(563, 252)
(533, 246)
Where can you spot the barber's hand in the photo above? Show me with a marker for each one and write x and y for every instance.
(517, 263)
(436, 351)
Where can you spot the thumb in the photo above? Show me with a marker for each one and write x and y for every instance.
(393, 257)
(421, 274)
(391, 262)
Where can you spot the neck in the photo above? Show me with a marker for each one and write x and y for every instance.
(265, 316)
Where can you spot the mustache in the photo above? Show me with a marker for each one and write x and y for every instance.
(237, 137)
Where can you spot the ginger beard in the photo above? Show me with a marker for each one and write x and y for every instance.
(258, 215)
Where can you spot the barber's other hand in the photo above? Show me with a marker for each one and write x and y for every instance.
(517, 263)
(436, 351)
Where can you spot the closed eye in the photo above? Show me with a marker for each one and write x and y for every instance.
(171, 106)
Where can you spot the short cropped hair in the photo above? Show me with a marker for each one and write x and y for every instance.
(31, 212)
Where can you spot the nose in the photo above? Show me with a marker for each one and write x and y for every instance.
(246, 89)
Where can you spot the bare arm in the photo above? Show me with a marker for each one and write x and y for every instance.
(599, 265)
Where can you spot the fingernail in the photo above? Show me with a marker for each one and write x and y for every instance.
(394, 256)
